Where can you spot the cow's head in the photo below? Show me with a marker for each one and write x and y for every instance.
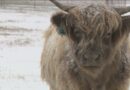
(97, 31)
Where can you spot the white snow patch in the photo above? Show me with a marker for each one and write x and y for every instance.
(24, 20)
(20, 63)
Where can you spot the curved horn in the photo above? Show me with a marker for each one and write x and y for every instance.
(122, 10)
(61, 6)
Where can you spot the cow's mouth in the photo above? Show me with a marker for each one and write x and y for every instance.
(90, 67)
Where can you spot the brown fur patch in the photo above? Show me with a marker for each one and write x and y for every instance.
(92, 56)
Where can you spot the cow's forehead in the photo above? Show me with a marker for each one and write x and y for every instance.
(93, 9)
(97, 18)
(86, 14)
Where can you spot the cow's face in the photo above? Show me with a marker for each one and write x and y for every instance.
(96, 33)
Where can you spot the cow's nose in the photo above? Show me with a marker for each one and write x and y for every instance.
(92, 57)
(91, 60)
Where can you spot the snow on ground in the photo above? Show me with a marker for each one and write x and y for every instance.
(20, 49)
(20, 69)
(28, 20)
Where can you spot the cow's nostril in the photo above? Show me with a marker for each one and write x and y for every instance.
(97, 57)
(86, 57)
(92, 57)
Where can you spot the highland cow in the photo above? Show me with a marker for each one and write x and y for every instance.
(86, 48)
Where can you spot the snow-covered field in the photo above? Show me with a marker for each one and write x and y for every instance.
(20, 49)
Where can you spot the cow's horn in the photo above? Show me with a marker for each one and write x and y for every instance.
(122, 10)
(61, 6)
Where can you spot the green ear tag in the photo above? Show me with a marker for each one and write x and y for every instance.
(60, 30)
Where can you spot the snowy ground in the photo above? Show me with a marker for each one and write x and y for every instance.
(20, 49)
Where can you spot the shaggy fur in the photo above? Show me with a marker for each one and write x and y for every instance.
(91, 55)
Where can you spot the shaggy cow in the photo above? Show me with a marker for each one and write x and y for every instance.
(86, 48)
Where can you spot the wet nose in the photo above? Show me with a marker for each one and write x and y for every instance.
(90, 60)
(92, 57)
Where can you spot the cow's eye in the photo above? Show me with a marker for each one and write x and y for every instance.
(107, 38)
(108, 35)
(78, 34)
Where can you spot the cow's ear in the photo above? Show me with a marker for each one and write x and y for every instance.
(126, 23)
(59, 20)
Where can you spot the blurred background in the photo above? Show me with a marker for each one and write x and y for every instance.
(22, 24)
(45, 4)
